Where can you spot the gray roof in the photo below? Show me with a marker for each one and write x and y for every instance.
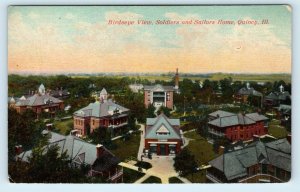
(278, 95)
(158, 87)
(256, 117)
(249, 91)
(37, 100)
(238, 119)
(162, 122)
(234, 164)
(99, 109)
(220, 113)
(77, 149)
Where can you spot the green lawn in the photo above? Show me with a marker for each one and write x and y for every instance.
(152, 179)
(64, 127)
(174, 180)
(276, 130)
(130, 176)
(127, 149)
(203, 152)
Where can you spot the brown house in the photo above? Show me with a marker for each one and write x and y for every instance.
(163, 135)
(39, 103)
(256, 163)
(99, 160)
(158, 95)
(236, 127)
(104, 113)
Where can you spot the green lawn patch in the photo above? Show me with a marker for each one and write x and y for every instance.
(130, 176)
(152, 179)
(127, 149)
(63, 127)
(174, 180)
(203, 152)
(276, 130)
(143, 164)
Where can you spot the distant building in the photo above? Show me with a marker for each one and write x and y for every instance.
(236, 127)
(242, 95)
(60, 93)
(275, 98)
(40, 102)
(100, 95)
(176, 79)
(136, 88)
(163, 135)
(256, 163)
(158, 96)
(99, 160)
(103, 113)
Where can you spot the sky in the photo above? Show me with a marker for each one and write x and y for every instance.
(78, 39)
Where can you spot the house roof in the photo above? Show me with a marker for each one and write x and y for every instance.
(220, 113)
(278, 95)
(37, 99)
(103, 91)
(249, 91)
(235, 119)
(234, 164)
(164, 125)
(78, 151)
(100, 109)
(158, 87)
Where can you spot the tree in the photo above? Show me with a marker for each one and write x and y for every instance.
(185, 163)
(164, 110)
(220, 142)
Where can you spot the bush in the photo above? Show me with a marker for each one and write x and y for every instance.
(143, 164)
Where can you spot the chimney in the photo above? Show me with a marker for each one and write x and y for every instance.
(99, 150)
(221, 149)
(289, 138)
(18, 149)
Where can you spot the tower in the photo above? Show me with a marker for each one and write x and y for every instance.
(176, 79)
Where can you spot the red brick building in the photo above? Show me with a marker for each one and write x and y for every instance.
(104, 113)
(158, 96)
(39, 102)
(163, 135)
(236, 127)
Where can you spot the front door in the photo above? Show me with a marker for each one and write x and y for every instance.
(162, 149)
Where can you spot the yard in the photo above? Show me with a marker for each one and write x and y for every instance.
(276, 130)
(127, 149)
(203, 152)
(64, 126)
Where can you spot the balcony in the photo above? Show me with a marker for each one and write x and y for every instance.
(217, 133)
(118, 125)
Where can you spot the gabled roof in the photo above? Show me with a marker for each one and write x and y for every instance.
(234, 164)
(162, 124)
(99, 109)
(37, 99)
(278, 95)
(256, 117)
(78, 151)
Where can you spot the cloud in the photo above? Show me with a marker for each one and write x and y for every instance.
(70, 16)
(33, 15)
(115, 15)
(289, 8)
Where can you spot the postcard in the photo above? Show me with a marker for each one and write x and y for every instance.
(149, 94)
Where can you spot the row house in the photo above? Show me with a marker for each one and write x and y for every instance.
(236, 127)
(99, 160)
(100, 114)
(258, 162)
(163, 135)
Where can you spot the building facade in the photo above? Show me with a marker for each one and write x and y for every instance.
(163, 135)
(256, 163)
(40, 102)
(101, 114)
(275, 98)
(158, 96)
(243, 94)
(236, 127)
